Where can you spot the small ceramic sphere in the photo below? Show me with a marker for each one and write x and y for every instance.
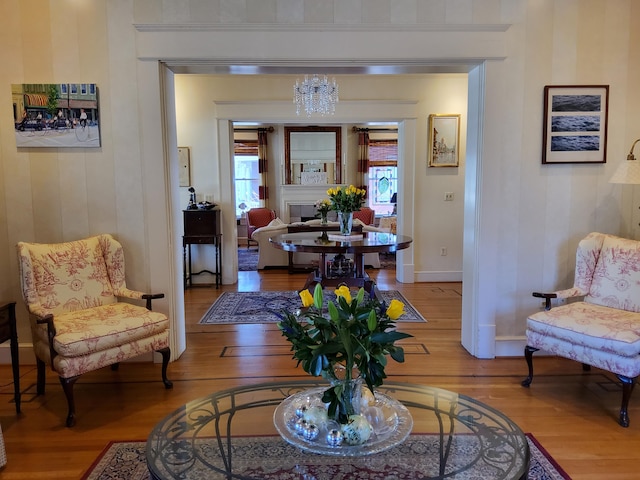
(334, 437)
(316, 414)
(310, 432)
(300, 425)
(357, 430)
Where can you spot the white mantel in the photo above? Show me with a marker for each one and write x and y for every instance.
(300, 195)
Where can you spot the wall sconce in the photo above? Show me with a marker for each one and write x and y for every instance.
(629, 172)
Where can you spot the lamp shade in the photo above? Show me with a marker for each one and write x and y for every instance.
(628, 172)
(394, 198)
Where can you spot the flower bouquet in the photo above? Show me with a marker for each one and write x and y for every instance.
(323, 207)
(345, 201)
(347, 344)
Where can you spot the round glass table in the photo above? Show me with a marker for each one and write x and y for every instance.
(231, 435)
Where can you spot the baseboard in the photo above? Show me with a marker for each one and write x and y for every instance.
(514, 347)
(444, 276)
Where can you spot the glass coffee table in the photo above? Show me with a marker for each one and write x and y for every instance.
(231, 435)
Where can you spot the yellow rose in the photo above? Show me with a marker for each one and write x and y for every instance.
(395, 309)
(306, 297)
(344, 292)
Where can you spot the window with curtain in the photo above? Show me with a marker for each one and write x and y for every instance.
(247, 175)
(383, 174)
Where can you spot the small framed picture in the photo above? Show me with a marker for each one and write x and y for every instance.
(444, 140)
(575, 124)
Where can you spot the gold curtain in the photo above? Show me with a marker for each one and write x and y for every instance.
(263, 167)
(363, 160)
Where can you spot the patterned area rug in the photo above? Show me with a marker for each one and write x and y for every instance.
(265, 307)
(270, 457)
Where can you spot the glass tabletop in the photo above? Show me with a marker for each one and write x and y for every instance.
(331, 242)
(231, 434)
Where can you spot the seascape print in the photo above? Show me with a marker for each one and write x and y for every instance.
(575, 124)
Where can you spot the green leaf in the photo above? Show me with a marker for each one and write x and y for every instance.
(333, 312)
(360, 296)
(389, 337)
(317, 296)
(372, 321)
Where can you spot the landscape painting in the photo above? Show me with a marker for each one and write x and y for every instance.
(575, 128)
(56, 115)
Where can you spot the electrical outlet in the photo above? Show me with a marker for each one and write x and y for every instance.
(443, 251)
(448, 196)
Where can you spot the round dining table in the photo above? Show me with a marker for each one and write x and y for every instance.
(340, 270)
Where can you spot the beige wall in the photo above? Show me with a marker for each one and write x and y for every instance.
(522, 221)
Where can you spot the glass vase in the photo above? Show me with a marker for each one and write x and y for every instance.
(345, 219)
(323, 218)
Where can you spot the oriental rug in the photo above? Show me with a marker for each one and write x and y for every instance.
(267, 306)
(126, 460)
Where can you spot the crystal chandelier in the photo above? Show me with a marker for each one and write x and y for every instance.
(315, 95)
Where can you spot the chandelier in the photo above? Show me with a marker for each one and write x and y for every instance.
(315, 95)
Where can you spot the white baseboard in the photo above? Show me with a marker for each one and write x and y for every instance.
(445, 276)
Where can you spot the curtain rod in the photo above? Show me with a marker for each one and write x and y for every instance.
(358, 129)
(267, 129)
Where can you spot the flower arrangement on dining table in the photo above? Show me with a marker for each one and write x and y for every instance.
(352, 336)
(346, 200)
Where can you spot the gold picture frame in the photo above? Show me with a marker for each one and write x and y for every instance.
(444, 140)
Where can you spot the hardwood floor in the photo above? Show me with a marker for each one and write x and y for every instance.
(571, 412)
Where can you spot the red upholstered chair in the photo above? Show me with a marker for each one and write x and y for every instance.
(366, 215)
(256, 218)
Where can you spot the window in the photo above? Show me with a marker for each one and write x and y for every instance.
(383, 174)
(247, 176)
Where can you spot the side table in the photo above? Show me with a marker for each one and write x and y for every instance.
(8, 331)
(202, 227)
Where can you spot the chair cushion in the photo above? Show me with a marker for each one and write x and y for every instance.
(616, 277)
(593, 326)
(83, 332)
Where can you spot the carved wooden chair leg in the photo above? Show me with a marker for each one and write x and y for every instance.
(115, 366)
(67, 386)
(627, 388)
(166, 355)
(528, 355)
(40, 382)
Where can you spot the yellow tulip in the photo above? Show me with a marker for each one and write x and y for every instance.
(344, 292)
(306, 297)
(395, 309)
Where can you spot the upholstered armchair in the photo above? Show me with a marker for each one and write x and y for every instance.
(72, 291)
(602, 329)
(366, 215)
(256, 218)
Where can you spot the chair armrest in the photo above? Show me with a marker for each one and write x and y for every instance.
(547, 297)
(51, 333)
(151, 296)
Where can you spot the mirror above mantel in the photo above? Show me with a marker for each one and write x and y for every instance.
(312, 155)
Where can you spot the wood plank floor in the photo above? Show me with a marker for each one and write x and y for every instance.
(571, 412)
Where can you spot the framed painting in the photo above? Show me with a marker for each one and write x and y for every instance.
(444, 140)
(56, 115)
(575, 124)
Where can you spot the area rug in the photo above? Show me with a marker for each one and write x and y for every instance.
(126, 460)
(267, 307)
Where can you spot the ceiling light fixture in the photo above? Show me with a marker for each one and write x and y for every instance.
(315, 95)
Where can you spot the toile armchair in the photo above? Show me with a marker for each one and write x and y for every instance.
(603, 328)
(79, 324)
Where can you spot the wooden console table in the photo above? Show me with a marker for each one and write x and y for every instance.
(202, 227)
(9, 331)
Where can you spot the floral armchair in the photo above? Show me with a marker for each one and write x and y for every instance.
(603, 329)
(78, 324)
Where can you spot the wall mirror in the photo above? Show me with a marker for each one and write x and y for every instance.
(312, 155)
